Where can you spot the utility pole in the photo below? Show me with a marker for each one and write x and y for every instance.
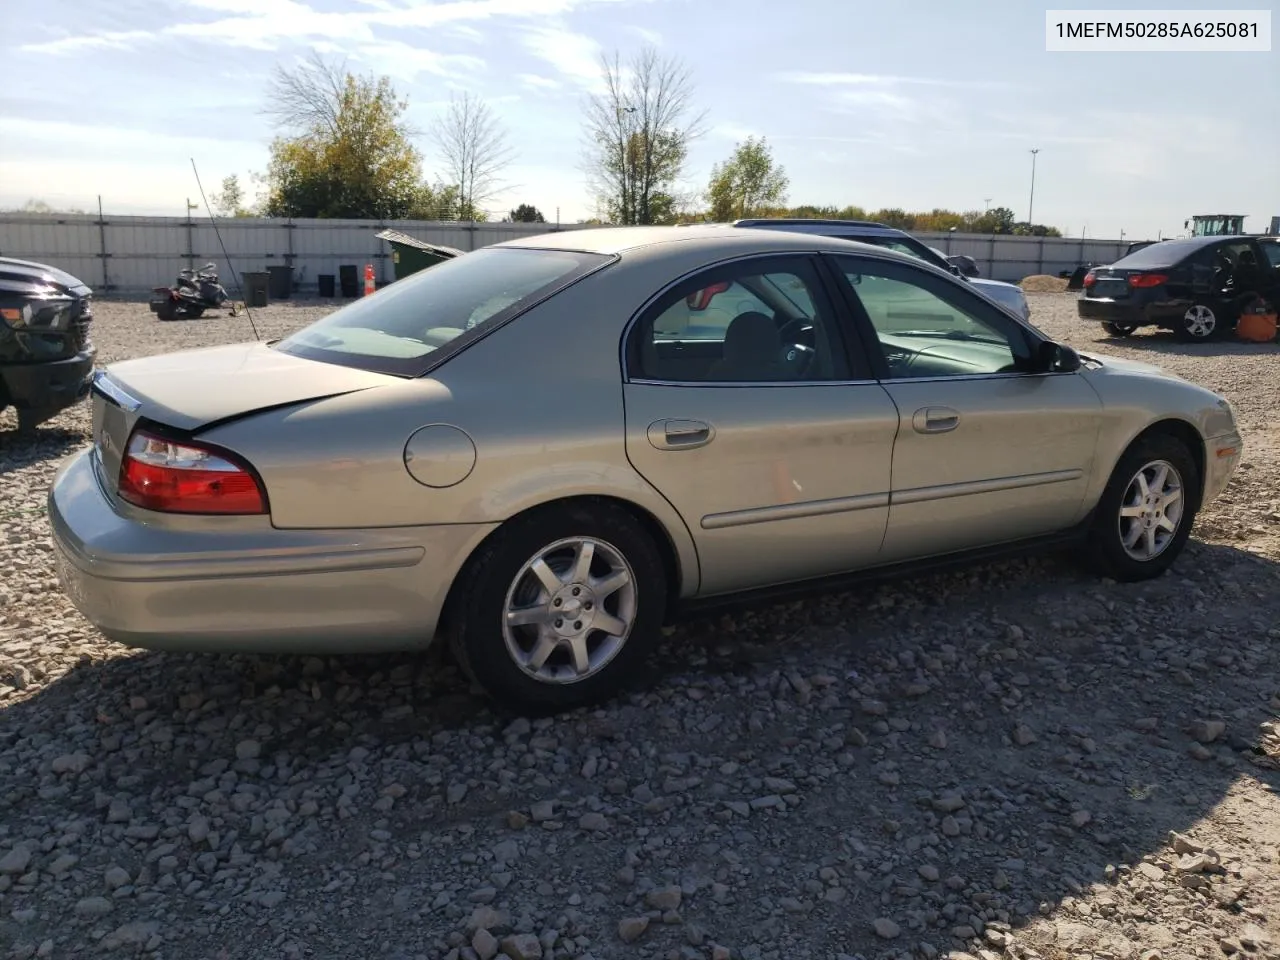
(986, 204)
(1032, 202)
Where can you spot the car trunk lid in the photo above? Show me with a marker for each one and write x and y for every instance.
(192, 390)
(1109, 283)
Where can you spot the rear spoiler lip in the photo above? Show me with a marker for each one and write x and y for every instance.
(111, 391)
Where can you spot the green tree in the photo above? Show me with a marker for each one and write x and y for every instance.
(346, 151)
(748, 183)
(229, 201)
(638, 131)
(994, 220)
(526, 213)
(39, 206)
(895, 217)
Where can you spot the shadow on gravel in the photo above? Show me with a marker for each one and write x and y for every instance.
(1167, 343)
(964, 751)
(48, 443)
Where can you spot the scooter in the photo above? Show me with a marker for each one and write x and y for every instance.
(192, 293)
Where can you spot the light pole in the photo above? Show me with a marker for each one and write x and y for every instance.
(1031, 203)
(986, 204)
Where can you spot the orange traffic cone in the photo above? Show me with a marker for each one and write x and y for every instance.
(369, 285)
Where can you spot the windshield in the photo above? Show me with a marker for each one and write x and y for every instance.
(397, 330)
(907, 245)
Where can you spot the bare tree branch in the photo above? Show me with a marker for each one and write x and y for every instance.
(308, 96)
(473, 146)
(638, 132)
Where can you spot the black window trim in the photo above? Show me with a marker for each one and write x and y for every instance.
(860, 368)
(865, 329)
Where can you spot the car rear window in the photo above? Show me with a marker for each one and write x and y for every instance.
(410, 326)
(1163, 254)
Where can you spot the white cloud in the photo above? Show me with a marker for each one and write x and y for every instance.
(575, 55)
(647, 35)
(399, 59)
(875, 80)
(463, 32)
(732, 131)
(114, 39)
(267, 24)
(538, 82)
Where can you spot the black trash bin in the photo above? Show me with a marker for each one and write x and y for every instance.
(347, 279)
(256, 285)
(281, 283)
(327, 283)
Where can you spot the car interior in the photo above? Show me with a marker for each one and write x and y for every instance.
(763, 329)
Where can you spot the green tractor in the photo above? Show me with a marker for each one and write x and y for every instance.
(1215, 225)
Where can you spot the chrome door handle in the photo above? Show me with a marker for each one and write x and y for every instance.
(680, 434)
(935, 420)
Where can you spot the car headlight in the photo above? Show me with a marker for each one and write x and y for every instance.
(16, 318)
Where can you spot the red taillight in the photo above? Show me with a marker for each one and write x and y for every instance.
(171, 477)
(1147, 279)
(1090, 279)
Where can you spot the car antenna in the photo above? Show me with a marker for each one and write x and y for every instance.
(217, 233)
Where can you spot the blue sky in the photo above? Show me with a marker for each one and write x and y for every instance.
(911, 103)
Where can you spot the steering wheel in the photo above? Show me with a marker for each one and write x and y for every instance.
(795, 355)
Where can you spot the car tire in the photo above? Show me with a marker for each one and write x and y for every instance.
(1128, 540)
(1118, 329)
(1200, 323)
(548, 664)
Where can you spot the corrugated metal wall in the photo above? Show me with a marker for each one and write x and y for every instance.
(1012, 258)
(127, 256)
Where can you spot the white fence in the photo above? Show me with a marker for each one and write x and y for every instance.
(127, 256)
(1011, 258)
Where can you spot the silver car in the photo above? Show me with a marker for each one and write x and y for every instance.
(545, 449)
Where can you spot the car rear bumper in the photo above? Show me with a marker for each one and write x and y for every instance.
(237, 584)
(50, 386)
(1111, 311)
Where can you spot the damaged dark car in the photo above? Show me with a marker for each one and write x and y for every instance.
(46, 356)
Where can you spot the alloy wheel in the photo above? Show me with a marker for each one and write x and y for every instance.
(569, 610)
(1151, 510)
(1199, 321)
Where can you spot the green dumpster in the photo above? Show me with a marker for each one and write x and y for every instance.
(409, 254)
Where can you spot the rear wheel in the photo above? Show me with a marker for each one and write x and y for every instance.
(1199, 323)
(1144, 516)
(559, 608)
(1119, 329)
(194, 312)
(166, 310)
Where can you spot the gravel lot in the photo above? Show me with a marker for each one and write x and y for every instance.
(1014, 761)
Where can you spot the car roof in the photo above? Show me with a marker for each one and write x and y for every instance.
(708, 237)
(1165, 253)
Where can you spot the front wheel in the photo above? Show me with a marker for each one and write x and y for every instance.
(559, 609)
(1119, 329)
(1199, 323)
(1144, 516)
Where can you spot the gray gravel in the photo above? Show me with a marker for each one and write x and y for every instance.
(1012, 761)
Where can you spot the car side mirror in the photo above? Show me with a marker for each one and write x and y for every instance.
(1054, 357)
